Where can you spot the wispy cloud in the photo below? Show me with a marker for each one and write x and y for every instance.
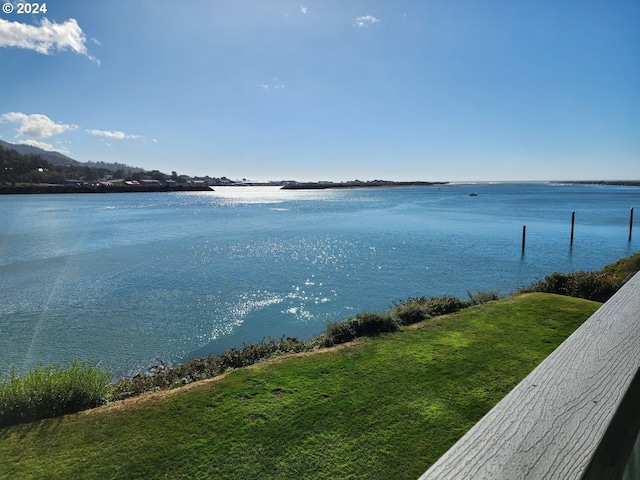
(365, 21)
(36, 125)
(274, 85)
(113, 134)
(34, 143)
(45, 38)
(303, 9)
(44, 146)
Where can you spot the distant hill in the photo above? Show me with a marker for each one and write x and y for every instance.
(57, 158)
(113, 166)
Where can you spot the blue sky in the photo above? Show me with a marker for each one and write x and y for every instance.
(446, 90)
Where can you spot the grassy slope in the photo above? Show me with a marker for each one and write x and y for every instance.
(385, 407)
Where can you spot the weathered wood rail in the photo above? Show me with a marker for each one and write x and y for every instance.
(576, 416)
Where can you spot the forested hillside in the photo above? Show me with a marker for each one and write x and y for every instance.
(20, 168)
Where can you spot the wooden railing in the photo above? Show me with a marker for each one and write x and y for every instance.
(576, 416)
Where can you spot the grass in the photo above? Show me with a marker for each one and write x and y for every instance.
(383, 407)
(50, 391)
(412, 310)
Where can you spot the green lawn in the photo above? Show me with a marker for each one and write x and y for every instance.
(384, 408)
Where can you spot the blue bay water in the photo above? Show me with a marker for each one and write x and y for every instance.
(129, 279)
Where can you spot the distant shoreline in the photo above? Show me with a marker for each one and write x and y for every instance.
(625, 183)
(44, 189)
(358, 184)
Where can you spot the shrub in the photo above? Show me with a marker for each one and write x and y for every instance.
(410, 312)
(252, 353)
(364, 323)
(51, 391)
(555, 283)
(624, 268)
(444, 305)
(598, 286)
(371, 323)
(479, 298)
(339, 332)
(414, 310)
(595, 286)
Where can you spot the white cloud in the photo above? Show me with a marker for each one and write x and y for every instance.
(44, 146)
(275, 85)
(366, 21)
(303, 9)
(36, 125)
(114, 134)
(34, 143)
(45, 38)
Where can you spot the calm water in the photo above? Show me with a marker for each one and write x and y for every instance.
(125, 279)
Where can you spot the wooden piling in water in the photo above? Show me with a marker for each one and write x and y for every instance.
(630, 223)
(573, 221)
(524, 236)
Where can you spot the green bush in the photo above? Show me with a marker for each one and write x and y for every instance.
(339, 332)
(595, 286)
(51, 391)
(371, 323)
(598, 286)
(364, 323)
(555, 283)
(445, 305)
(411, 311)
(481, 297)
(624, 268)
(414, 310)
(252, 353)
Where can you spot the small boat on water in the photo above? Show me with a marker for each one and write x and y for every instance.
(473, 194)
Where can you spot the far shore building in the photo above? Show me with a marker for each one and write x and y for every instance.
(150, 183)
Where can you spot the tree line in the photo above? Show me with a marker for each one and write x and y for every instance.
(17, 168)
